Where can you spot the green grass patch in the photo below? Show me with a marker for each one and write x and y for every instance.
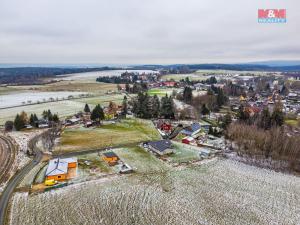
(126, 132)
(183, 153)
(161, 91)
(140, 160)
(293, 123)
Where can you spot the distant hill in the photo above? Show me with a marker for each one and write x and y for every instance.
(34, 75)
(213, 66)
(278, 63)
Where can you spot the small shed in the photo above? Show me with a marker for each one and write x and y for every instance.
(111, 158)
(188, 140)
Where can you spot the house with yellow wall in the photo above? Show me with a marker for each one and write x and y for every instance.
(58, 168)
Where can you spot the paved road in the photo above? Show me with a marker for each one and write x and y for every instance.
(7, 155)
(14, 181)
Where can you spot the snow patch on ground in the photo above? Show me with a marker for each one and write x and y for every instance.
(219, 192)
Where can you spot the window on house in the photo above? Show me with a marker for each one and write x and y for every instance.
(59, 176)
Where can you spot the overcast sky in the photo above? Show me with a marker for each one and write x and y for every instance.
(145, 31)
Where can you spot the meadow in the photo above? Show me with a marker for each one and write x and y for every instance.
(220, 192)
(128, 131)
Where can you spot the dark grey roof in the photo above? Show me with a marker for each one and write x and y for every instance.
(110, 154)
(161, 145)
(191, 129)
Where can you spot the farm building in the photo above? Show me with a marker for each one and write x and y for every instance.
(191, 130)
(58, 169)
(111, 158)
(164, 125)
(161, 147)
(188, 140)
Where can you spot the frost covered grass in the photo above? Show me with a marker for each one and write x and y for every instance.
(63, 108)
(103, 100)
(126, 132)
(220, 192)
(29, 179)
(183, 153)
(141, 160)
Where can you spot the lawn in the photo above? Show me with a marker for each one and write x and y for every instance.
(160, 92)
(293, 123)
(96, 88)
(124, 133)
(140, 160)
(103, 100)
(183, 153)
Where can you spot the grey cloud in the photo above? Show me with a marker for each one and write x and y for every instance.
(134, 31)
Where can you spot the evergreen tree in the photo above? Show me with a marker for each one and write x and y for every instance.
(97, 113)
(187, 95)
(277, 117)
(31, 120)
(155, 106)
(204, 110)
(265, 121)
(167, 109)
(87, 108)
(124, 105)
(127, 88)
(221, 98)
(55, 118)
(35, 117)
(187, 80)
(18, 123)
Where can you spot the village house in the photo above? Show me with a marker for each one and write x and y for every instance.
(162, 147)
(58, 169)
(164, 125)
(170, 84)
(189, 140)
(191, 130)
(111, 158)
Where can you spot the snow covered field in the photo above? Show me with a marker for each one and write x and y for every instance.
(219, 192)
(63, 108)
(16, 99)
(91, 76)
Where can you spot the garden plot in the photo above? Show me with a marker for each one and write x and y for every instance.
(220, 192)
(126, 132)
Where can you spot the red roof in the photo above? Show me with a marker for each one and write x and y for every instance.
(170, 83)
